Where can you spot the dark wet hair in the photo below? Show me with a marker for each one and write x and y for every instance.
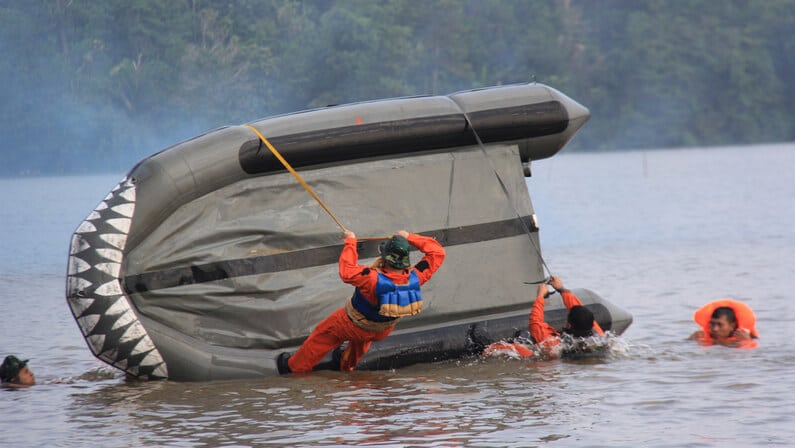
(580, 321)
(725, 311)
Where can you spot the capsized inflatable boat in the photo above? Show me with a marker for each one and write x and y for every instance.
(209, 258)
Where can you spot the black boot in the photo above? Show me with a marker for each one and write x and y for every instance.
(281, 363)
(336, 358)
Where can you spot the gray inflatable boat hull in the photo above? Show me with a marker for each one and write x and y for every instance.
(209, 259)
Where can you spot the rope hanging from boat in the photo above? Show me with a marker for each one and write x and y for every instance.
(296, 175)
(507, 194)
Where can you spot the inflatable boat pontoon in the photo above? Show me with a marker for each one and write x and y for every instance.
(209, 258)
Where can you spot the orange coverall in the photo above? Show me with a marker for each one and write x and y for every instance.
(545, 335)
(339, 326)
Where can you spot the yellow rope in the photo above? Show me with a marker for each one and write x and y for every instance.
(292, 171)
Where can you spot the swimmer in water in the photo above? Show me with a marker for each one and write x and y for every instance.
(580, 324)
(726, 322)
(15, 372)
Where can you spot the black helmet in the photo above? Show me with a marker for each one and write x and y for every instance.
(11, 367)
(580, 321)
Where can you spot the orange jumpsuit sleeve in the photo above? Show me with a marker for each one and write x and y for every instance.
(540, 330)
(433, 255)
(570, 300)
(353, 273)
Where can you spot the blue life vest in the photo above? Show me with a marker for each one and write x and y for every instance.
(393, 300)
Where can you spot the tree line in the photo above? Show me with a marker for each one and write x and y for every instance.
(92, 85)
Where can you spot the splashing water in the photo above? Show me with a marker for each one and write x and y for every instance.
(604, 347)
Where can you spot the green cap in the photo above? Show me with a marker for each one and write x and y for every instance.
(11, 367)
(396, 252)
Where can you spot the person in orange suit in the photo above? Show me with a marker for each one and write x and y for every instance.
(726, 322)
(385, 292)
(580, 323)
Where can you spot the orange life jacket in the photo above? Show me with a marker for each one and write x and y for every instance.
(502, 347)
(745, 316)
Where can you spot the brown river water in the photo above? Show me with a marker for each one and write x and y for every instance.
(658, 233)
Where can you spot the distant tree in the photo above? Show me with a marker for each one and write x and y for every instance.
(101, 84)
(689, 72)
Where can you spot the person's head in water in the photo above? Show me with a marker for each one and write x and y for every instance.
(16, 372)
(722, 323)
(395, 252)
(579, 322)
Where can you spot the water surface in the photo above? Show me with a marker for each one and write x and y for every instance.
(658, 233)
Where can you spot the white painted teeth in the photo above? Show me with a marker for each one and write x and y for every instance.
(120, 224)
(86, 227)
(112, 329)
(124, 209)
(114, 239)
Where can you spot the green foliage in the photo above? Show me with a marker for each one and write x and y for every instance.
(89, 84)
